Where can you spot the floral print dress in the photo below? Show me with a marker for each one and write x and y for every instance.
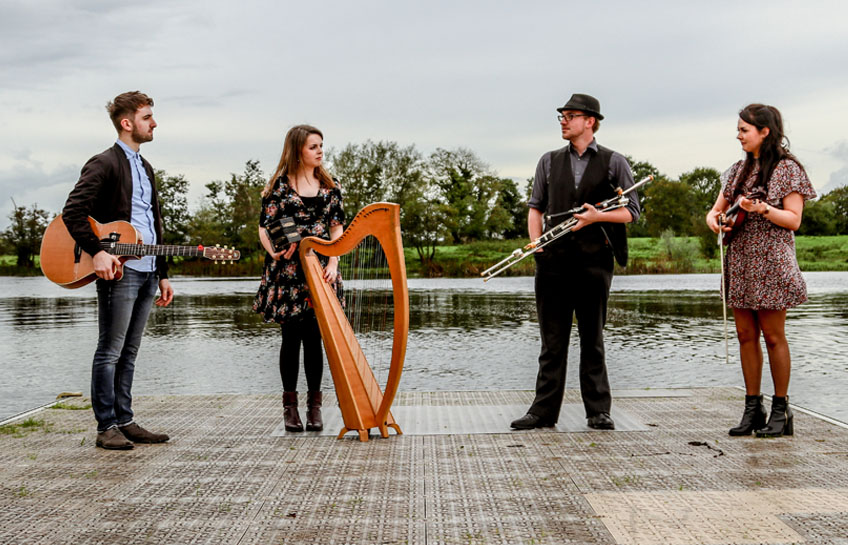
(283, 294)
(761, 271)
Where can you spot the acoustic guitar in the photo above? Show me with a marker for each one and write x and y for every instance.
(66, 264)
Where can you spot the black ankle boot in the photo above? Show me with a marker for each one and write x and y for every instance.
(753, 418)
(780, 420)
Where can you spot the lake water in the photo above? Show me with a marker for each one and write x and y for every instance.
(663, 331)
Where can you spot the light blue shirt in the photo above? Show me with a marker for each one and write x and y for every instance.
(142, 209)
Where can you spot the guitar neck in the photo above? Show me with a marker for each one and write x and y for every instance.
(123, 249)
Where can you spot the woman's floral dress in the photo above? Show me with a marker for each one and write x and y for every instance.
(283, 294)
(761, 272)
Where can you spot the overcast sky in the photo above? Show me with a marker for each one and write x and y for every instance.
(229, 78)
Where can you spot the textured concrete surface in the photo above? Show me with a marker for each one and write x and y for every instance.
(672, 476)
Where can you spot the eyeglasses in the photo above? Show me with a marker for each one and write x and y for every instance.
(569, 117)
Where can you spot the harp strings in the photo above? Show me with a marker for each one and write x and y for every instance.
(369, 304)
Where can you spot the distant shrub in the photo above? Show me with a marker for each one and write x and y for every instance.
(680, 251)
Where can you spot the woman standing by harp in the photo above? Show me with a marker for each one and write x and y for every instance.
(762, 278)
(300, 189)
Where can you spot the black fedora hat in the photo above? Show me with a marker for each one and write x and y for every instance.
(584, 103)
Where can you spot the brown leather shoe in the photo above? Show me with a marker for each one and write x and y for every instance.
(137, 434)
(113, 439)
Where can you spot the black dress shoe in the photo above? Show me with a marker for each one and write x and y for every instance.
(601, 421)
(531, 421)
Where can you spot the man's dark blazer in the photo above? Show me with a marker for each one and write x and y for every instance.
(104, 192)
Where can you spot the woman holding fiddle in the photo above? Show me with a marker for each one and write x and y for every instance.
(300, 189)
(762, 278)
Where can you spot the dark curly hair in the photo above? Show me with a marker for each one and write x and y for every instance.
(775, 146)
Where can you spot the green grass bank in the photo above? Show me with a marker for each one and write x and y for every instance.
(666, 255)
(673, 255)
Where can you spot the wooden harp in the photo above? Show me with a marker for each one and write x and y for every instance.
(363, 403)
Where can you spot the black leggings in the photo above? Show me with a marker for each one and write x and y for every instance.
(294, 333)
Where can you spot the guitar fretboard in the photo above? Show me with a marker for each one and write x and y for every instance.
(151, 249)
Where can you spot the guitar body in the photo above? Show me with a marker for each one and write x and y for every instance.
(735, 216)
(66, 264)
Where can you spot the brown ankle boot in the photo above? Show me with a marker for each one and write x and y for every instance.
(292, 418)
(313, 412)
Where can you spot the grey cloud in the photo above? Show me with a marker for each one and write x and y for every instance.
(839, 150)
(43, 44)
(28, 183)
(837, 179)
(213, 100)
(229, 77)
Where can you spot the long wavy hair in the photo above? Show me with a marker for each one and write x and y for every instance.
(774, 148)
(291, 156)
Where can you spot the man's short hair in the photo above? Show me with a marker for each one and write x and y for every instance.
(596, 125)
(125, 105)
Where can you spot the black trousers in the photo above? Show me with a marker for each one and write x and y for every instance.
(572, 284)
(306, 332)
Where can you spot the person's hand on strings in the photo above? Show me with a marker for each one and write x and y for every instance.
(331, 271)
(106, 265)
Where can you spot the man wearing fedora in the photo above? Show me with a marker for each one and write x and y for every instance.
(573, 273)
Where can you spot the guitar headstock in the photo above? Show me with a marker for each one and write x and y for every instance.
(219, 253)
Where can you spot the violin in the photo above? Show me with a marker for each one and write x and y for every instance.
(735, 216)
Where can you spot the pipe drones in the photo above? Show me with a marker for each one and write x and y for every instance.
(619, 201)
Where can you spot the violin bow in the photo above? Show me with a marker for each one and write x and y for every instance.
(723, 291)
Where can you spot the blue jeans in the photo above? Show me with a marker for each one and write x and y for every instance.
(123, 307)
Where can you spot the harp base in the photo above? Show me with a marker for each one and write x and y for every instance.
(363, 434)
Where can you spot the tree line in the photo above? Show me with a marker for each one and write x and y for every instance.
(446, 197)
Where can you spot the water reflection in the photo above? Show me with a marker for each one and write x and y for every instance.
(26, 313)
(469, 311)
(463, 336)
(207, 316)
